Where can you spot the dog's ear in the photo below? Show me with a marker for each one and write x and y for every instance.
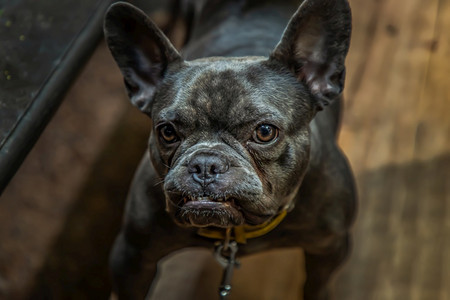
(314, 46)
(141, 50)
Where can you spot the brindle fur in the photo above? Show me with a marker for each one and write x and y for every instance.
(233, 76)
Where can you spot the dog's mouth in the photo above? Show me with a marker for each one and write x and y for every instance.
(210, 211)
(221, 212)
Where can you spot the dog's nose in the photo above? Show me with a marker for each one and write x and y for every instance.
(206, 167)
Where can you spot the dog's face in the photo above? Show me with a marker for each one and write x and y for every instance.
(234, 134)
(230, 135)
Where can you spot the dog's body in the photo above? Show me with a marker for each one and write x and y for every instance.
(236, 138)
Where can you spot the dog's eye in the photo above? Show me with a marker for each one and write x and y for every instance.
(265, 133)
(168, 134)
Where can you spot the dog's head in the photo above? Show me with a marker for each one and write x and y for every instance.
(230, 136)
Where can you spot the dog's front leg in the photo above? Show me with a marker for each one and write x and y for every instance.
(144, 237)
(321, 267)
(132, 268)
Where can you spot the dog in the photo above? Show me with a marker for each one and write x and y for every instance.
(244, 129)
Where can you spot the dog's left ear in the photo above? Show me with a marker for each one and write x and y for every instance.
(141, 50)
(314, 46)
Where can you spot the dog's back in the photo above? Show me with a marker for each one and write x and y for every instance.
(235, 28)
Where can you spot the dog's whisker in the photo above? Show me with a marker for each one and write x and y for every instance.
(161, 181)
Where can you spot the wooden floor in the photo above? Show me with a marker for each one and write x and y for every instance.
(396, 133)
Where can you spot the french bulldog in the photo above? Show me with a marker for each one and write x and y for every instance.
(244, 128)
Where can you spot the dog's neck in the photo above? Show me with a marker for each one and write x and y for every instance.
(227, 31)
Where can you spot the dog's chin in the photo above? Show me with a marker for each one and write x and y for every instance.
(205, 211)
(221, 212)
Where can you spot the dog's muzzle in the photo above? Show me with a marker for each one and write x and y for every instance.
(211, 187)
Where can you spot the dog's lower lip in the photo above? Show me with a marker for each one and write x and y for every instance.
(224, 200)
(210, 211)
(204, 202)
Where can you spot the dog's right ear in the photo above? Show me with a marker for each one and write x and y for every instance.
(141, 50)
(314, 46)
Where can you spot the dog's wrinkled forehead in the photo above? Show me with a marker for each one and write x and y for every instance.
(227, 93)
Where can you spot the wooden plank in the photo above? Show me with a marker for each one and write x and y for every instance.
(394, 122)
(445, 291)
(433, 133)
(380, 121)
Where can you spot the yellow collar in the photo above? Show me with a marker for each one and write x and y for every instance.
(243, 232)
